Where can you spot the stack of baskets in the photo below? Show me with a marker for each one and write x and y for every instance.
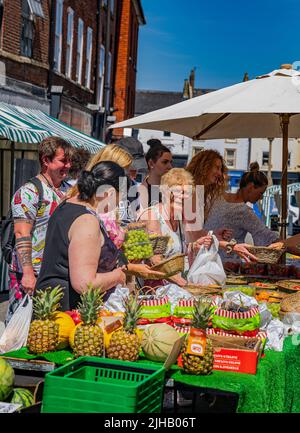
(159, 243)
(267, 255)
(197, 290)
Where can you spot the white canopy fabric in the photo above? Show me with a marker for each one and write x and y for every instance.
(261, 100)
(268, 106)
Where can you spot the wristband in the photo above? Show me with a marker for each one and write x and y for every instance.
(230, 245)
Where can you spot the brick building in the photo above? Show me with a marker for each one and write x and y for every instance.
(73, 59)
(130, 18)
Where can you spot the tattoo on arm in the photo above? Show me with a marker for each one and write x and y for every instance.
(24, 250)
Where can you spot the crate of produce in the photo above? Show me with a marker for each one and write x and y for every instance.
(236, 354)
(101, 385)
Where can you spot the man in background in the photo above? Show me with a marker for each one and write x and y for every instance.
(32, 207)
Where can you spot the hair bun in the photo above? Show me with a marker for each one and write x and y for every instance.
(86, 184)
(254, 166)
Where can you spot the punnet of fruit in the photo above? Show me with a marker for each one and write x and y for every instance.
(137, 245)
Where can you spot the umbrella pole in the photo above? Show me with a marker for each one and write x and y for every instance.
(284, 118)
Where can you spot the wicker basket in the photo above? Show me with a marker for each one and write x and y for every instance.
(289, 285)
(136, 226)
(266, 254)
(291, 303)
(159, 244)
(197, 290)
(149, 277)
(171, 266)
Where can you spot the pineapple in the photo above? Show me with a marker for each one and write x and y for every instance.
(195, 364)
(44, 332)
(88, 337)
(125, 343)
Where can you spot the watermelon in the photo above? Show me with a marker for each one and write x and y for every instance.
(22, 396)
(158, 340)
(7, 377)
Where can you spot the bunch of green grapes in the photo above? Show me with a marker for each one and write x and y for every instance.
(250, 291)
(274, 309)
(137, 245)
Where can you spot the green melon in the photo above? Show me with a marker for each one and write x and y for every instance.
(22, 396)
(158, 340)
(7, 377)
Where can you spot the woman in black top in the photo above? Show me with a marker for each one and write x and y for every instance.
(78, 250)
(159, 161)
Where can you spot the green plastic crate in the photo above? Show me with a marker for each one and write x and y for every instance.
(101, 385)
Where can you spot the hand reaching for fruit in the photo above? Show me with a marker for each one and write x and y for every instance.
(241, 250)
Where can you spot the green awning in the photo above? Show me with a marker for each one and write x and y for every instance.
(25, 125)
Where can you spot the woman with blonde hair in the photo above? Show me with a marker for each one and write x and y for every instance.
(168, 217)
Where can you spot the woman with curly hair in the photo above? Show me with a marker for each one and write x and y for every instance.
(209, 170)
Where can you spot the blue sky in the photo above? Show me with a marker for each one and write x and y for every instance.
(223, 39)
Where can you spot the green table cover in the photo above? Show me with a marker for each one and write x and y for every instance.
(273, 389)
(60, 357)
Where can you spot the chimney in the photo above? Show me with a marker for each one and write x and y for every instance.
(192, 80)
(186, 94)
(246, 78)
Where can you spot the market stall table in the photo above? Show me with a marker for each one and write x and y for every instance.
(274, 388)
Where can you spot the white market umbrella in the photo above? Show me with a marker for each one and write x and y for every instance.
(268, 106)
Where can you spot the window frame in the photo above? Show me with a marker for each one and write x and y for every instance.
(101, 76)
(88, 59)
(59, 13)
(226, 157)
(27, 28)
(263, 157)
(79, 50)
(108, 93)
(70, 33)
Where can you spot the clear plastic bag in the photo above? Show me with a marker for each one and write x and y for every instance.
(16, 332)
(207, 267)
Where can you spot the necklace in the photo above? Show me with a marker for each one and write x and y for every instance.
(56, 190)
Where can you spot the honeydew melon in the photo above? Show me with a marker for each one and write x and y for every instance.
(158, 340)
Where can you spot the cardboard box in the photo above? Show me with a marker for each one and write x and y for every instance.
(232, 354)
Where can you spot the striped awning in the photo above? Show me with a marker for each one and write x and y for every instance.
(25, 125)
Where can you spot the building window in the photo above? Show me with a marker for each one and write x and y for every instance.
(58, 34)
(196, 150)
(167, 134)
(107, 95)
(79, 51)
(265, 158)
(27, 30)
(289, 159)
(112, 6)
(69, 52)
(36, 8)
(89, 45)
(101, 76)
(230, 157)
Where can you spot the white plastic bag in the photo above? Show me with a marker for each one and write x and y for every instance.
(116, 299)
(207, 267)
(174, 293)
(16, 332)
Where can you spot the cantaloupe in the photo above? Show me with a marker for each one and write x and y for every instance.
(158, 340)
